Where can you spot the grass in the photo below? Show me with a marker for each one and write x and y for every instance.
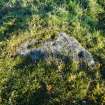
(51, 82)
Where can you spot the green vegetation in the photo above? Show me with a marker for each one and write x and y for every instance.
(52, 82)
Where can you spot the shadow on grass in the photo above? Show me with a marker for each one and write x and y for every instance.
(17, 16)
(40, 97)
(101, 22)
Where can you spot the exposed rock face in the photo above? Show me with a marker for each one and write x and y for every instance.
(63, 47)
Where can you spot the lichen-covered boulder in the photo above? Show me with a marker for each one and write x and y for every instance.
(62, 47)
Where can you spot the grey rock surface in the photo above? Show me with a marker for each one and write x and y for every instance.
(62, 47)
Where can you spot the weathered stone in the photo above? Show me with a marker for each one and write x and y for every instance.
(62, 47)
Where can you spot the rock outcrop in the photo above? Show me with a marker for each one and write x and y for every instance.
(62, 47)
